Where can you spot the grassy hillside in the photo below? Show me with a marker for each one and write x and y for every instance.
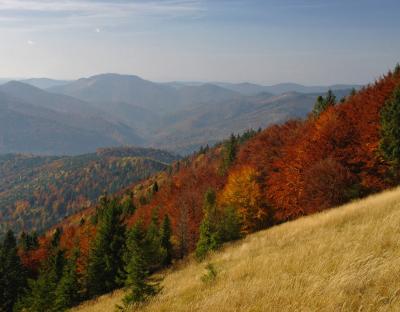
(345, 259)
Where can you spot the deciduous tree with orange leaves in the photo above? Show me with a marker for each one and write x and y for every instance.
(243, 192)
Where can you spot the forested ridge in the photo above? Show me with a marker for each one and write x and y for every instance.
(39, 191)
(345, 149)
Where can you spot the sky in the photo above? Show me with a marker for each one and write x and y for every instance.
(263, 41)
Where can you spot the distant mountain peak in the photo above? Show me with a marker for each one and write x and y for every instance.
(114, 76)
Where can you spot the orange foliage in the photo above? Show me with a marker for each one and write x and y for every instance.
(181, 197)
(292, 169)
(339, 147)
(243, 192)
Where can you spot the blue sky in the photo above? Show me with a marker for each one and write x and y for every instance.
(270, 41)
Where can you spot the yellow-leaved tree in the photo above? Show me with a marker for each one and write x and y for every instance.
(244, 193)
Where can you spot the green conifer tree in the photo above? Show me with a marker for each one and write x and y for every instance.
(330, 98)
(41, 295)
(129, 205)
(319, 106)
(397, 69)
(210, 231)
(166, 244)
(12, 274)
(229, 153)
(67, 293)
(137, 273)
(154, 252)
(155, 187)
(390, 129)
(105, 260)
(322, 103)
(231, 225)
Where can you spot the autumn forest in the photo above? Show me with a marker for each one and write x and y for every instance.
(344, 149)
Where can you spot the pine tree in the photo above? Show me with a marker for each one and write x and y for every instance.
(129, 205)
(208, 239)
(137, 273)
(166, 244)
(67, 293)
(390, 129)
(330, 98)
(41, 296)
(155, 187)
(154, 252)
(397, 69)
(12, 274)
(322, 103)
(319, 106)
(210, 232)
(231, 225)
(105, 261)
(229, 153)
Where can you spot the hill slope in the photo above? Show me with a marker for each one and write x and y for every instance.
(184, 117)
(187, 130)
(35, 121)
(110, 110)
(344, 259)
(44, 83)
(37, 191)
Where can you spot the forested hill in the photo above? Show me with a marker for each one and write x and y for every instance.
(342, 151)
(38, 191)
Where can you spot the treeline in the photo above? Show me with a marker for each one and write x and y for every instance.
(343, 150)
(118, 257)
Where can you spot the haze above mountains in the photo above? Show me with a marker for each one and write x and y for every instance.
(45, 116)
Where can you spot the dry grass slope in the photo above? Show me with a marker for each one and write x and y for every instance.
(345, 259)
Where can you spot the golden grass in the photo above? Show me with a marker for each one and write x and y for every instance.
(345, 259)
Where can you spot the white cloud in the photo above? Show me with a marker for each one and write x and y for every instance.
(42, 15)
(30, 42)
(97, 30)
(90, 7)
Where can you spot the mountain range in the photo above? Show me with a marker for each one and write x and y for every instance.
(75, 117)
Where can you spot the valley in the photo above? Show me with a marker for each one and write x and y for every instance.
(199, 155)
(37, 192)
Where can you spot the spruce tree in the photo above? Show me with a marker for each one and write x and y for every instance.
(208, 239)
(229, 153)
(67, 293)
(330, 98)
(231, 225)
(322, 103)
(105, 260)
(155, 253)
(55, 241)
(397, 69)
(12, 274)
(128, 206)
(137, 273)
(319, 106)
(390, 129)
(41, 296)
(210, 232)
(166, 244)
(155, 187)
